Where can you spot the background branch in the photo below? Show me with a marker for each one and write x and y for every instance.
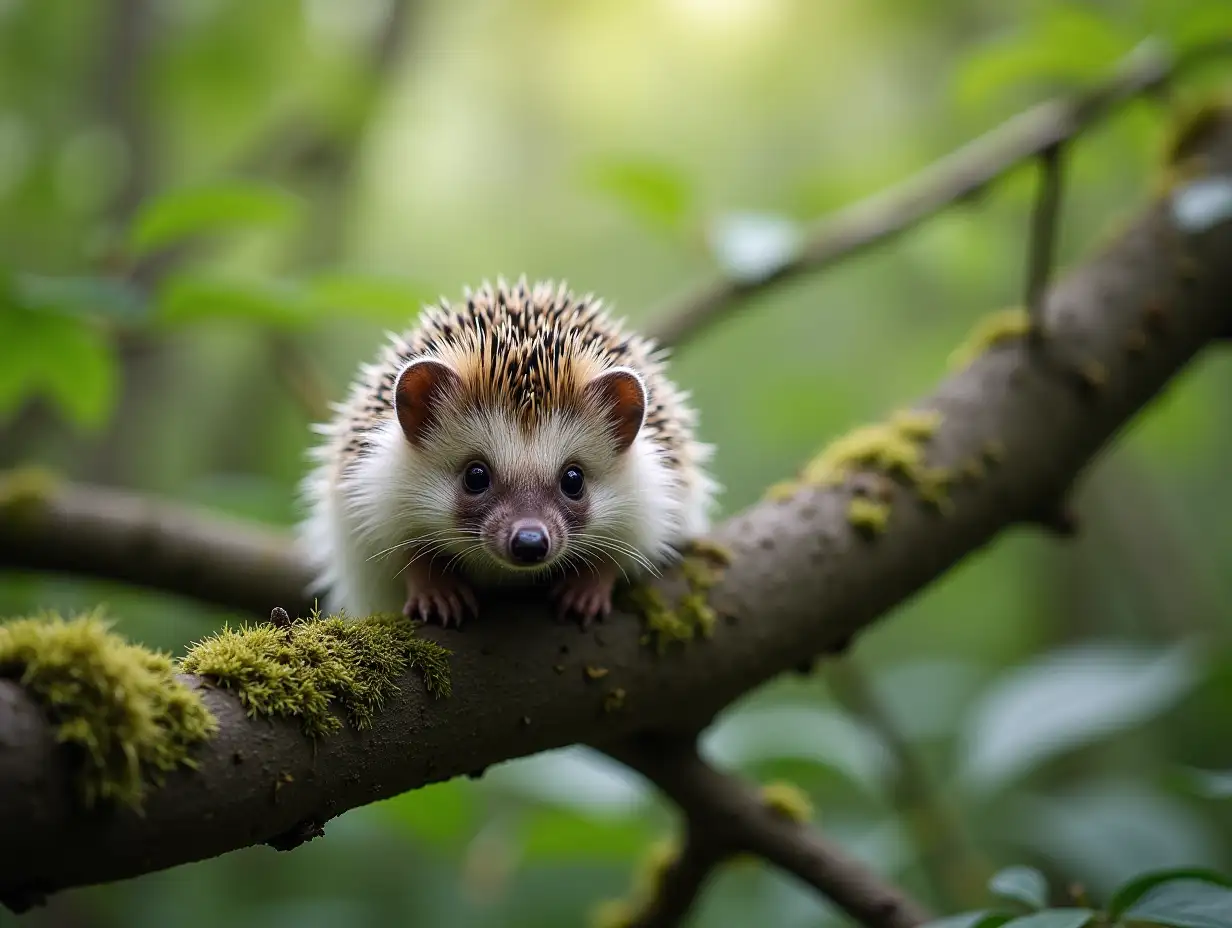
(113, 535)
(1045, 218)
(124, 51)
(733, 817)
(681, 881)
(300, 141)
(957, 177)
(802, 581)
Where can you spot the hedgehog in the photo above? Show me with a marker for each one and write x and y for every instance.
(522, 437)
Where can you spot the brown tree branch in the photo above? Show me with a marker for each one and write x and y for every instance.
(728, 817)
(113, 535)
(681, 882)
(802, 581)
(956, 178)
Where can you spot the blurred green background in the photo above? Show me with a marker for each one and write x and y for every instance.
(211, 209)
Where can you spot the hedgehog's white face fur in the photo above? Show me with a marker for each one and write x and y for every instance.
(523, 437)
(505, 498)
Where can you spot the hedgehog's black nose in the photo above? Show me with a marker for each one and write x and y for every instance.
(529, 544)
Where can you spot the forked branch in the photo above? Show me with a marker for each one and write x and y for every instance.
(727, 817)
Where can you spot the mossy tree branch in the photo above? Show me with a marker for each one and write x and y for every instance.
(803, 580)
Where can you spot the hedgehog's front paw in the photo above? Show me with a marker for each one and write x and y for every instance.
(439, 596)
(587, 595)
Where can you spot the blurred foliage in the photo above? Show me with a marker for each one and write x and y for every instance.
(211, 210)
(1177, 898)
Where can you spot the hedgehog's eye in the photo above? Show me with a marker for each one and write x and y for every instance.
(572, 482)
(476, 477)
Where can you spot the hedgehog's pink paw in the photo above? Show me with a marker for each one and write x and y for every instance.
(587, 595)
(439, 596)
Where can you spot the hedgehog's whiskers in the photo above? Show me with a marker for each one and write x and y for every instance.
(419, 539)
(431, 546)
(605, 544)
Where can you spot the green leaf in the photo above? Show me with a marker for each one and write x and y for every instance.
(1053, 918)
(984, 918)
(658, 194)
(22, 361)
(195, 298)
(563, 835)
(1067, 43)
(180, 214)
(442, 813)
(1067, 699)
(951, 683)
(1109, 829)
(369, 295)
(1184, 904)
(85, 381)
(87, 296)
(1201, 24)
(756, 734)
(62, 357)
(1022, 884)
(1139, 886)
(576, 777)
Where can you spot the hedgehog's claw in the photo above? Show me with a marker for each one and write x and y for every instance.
(587, 595)
(441, 597)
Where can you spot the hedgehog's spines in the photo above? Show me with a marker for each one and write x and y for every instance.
(529, 348)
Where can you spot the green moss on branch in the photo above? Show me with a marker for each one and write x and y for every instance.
(692, 616)
(25, 493)
(787, 800)
(894, 450)
(648, 878)
(993, 331)
(306, 669)
(124, 717)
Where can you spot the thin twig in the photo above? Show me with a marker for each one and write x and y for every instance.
(732, 815)
(682, 881)
(1042, 248)
(127, 41)
(948, 181)
(302, 143)
(953, 865)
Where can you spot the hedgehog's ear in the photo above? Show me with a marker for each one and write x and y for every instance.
(418, 393)
(621, 396)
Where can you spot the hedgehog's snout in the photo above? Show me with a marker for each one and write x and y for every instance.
(529, 543)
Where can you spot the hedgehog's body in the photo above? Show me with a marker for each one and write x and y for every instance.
(520, 436)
